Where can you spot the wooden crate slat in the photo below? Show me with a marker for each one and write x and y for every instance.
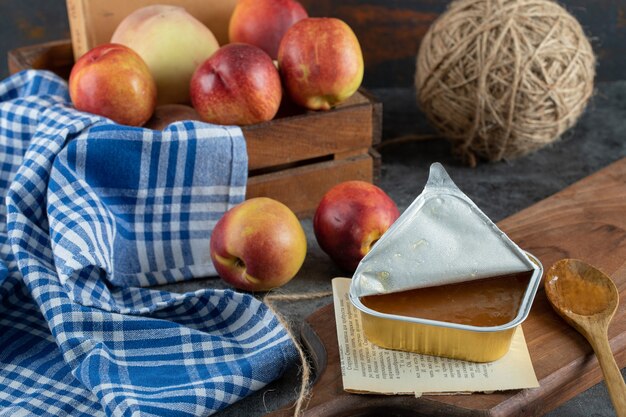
(55, 56)
(309, 136)
(302, 188)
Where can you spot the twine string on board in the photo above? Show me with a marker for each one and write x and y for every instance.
(502, 78)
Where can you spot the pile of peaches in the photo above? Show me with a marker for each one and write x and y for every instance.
(161, 55)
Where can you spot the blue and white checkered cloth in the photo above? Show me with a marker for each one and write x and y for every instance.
(92, 211)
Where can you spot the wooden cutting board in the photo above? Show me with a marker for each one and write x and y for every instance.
(587, 221)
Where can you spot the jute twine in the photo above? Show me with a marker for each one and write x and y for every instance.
(501, 78)
(305, 373)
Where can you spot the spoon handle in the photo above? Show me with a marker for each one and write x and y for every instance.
(612, 376)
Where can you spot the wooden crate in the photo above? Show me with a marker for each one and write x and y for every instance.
(295, 158)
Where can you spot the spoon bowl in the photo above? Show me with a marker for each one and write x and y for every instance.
(587, 299)
(576, 288)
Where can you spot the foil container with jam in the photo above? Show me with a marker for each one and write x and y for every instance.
(443, 241)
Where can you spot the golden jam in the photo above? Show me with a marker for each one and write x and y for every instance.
(484, 302)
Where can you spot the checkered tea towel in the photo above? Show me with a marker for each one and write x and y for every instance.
(91, 211)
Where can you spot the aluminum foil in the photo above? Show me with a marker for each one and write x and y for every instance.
(441, 238)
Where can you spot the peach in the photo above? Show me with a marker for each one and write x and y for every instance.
(113, 81)
(321, 63)
(264, 22)
(172, 42)
(238, 85)
(258, 245)
(350, 219)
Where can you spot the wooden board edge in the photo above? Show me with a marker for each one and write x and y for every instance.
(315, 349)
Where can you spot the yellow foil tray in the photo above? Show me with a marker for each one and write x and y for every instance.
(436, 340)
(457, 341)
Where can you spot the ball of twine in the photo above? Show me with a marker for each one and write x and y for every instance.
(502, 78)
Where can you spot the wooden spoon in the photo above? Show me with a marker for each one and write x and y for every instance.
(587, 299)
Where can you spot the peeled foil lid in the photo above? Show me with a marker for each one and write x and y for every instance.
(441, 238)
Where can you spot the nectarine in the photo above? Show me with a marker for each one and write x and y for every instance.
(238, 85)
(264, 22)
(113, 81)
(321, 63)
(350, 219)
(258, 245)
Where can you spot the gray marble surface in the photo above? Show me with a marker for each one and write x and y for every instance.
(500, 189)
